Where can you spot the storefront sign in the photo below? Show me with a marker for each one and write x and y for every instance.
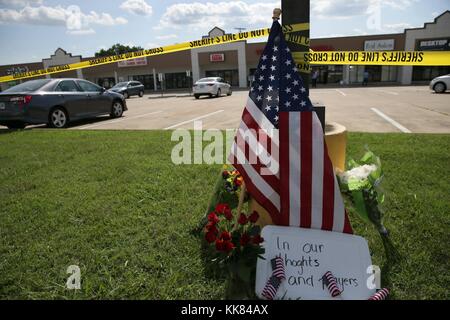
(15, 70)
(379, 45)
(439, 44)
(322, 48)
(132, 63)
(217, 57)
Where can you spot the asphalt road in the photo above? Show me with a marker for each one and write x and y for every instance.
(380, 109)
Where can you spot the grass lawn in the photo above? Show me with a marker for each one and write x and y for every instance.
(115, 205)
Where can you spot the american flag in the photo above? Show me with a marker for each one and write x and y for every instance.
(279, 148)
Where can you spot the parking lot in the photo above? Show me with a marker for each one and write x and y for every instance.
(379, 109)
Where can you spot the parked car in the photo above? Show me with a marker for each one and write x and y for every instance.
(211, 87)
(129, 88)
(440, 84)
(56, 102)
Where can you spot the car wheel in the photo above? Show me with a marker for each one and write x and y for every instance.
(141, 94)
(230, 92)
(16, 125)
(117, 109)
(197, 96)
(126, 95)
(219, 93)
(440, 87)
(58, 118)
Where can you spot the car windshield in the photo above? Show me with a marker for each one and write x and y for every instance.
(29, 86)
(121, 84)
(208, 80)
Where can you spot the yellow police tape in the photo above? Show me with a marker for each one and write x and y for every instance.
(388, 58)
(303, 59)
(228, 38)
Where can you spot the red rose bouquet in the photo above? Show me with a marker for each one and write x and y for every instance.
(235, 244)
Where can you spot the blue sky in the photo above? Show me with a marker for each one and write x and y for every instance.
(33, 29)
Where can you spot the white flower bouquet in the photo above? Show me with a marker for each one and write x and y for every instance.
(360, 186)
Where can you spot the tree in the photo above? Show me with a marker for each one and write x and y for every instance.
(117, 49)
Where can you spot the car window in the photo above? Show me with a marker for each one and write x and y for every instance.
(29, 86)
(89, 87)
(67, 86)
(207, 80)
(120, 85)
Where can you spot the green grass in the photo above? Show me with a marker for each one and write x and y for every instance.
(115, 205)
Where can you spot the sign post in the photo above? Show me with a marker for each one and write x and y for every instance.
(188, 75)
(298, 11)
(161, 81)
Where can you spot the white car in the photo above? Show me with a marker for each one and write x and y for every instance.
(211, 87)
(440, 84)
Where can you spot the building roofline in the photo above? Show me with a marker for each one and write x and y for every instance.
(363, 36)
(426, 24)
(65, 52)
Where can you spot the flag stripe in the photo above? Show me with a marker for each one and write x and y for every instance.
(328, 189)
(285, 174)
(294, 170)
(250, 126)
(271, 180)
(256, 179)
(306, 168)
(261, 120)
(318, 173)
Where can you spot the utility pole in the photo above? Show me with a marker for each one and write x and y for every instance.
(295, 12)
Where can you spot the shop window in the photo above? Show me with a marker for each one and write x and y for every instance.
(230, 76)
(106, 83)
(177, 81)
(429, 73)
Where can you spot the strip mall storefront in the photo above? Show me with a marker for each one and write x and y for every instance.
(237, 62)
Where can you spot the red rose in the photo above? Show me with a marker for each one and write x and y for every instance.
(226, 236)
(210, 237)
(245, 239)
(211, 227)
(238, 181)
(229, 215)
(220, 245)
(212, 217)
(228, 246)
(253, 217)
(242, 219)
(223, 208)
(257, 239)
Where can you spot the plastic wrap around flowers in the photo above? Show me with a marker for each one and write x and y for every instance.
(360, 185)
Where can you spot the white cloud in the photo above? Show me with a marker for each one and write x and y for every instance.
(343, 9)
(20, 3)
(224, 14)
(396, 27)
(139, 7)
(76, 22)
(81, 32)
(167, 37)
(152, 45)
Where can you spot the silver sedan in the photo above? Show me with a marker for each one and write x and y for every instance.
(440, 84)
(211, 87)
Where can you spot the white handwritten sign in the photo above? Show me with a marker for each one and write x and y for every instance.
(308, 254)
